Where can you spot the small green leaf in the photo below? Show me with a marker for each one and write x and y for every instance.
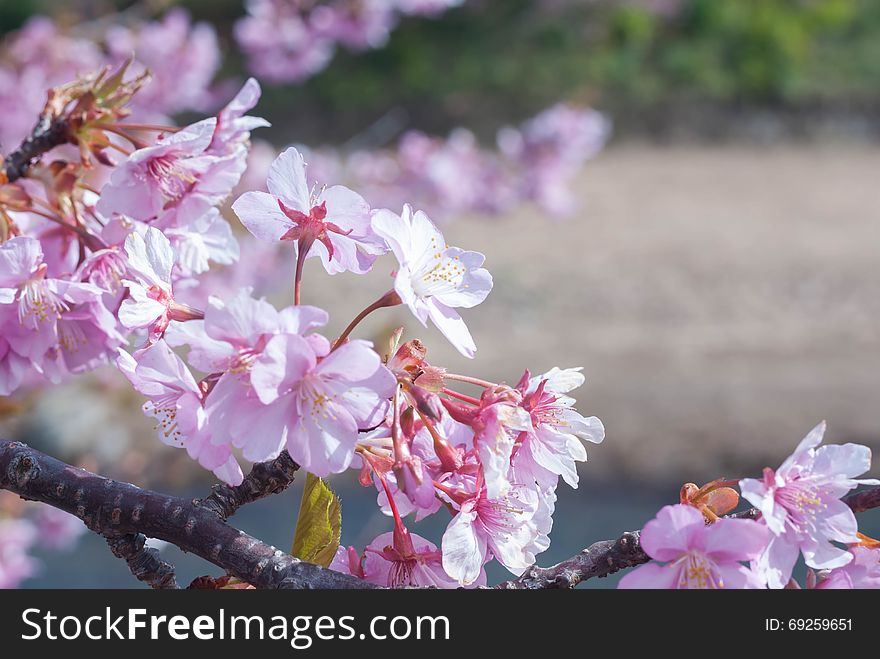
(319, 524)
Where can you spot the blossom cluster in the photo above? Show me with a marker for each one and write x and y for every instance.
(534, 163)
(100, 250)
(183, 58)
(801, 515)
(26, 527)
(290, 40)
(100, 245)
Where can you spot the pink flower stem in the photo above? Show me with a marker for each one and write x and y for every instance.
(462, 397)
(390, 299)
(91, 241)
(469, 380)
(135, 142)
(154, 127)
(302, 252)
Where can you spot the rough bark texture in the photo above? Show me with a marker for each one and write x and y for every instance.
(598, 560)
(116, 509)
(144, 562)
(46, 135)
(124, 514)
(265, 478)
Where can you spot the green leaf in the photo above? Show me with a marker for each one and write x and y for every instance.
(319, 524)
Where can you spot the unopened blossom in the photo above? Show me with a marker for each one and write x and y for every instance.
(175, 401)
(335, 221)
(555, 439)
(697, 556)
(434, 279)
(150, 303)
(505, 528)
(801, 505)
(298, 396)
(17, 536)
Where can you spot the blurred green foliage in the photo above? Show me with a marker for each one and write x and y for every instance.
(501, 60)
(496, 61)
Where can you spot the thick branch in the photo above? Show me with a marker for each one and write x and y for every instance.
(46, 135)
(144, 562)
(266, 478)
(609, 556)
(111, 508)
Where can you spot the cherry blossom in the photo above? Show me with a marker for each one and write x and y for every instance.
(313, 404)
(335, 220)
(17, 536)
(433, 279)
(696, 555)
(175, 401)
(554, 440)
(800, 505)
(505, 528)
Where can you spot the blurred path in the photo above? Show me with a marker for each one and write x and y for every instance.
(721, 299)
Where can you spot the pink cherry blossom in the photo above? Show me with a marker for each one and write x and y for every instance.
(47, 320)
(507, 528)
(313, 404)
(696, 555)
(335, 221)
(418, 564)
(17, 536)
(150, 303)
(863, 571)
(800, 504)
(433, 278)
(554, 440)
(57, 529)
(175, 401)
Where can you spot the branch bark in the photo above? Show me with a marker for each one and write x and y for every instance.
(118, 509)
(48, 133)
(144, 562)
(265, 478)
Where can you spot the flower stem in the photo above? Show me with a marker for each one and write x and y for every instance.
(302, 251)
(469, 380)
(390, 299)
(462, 397)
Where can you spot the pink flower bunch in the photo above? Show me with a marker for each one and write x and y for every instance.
(183, 58)
(535, 163)
(801, 514)
(291, 40)
(26, 527)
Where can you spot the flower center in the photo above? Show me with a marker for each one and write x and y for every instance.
(38, 303)
(696, 571)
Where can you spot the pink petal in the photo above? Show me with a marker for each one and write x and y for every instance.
(671, 533)
(287, 180)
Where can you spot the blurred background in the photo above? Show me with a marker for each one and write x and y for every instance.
(678, 195)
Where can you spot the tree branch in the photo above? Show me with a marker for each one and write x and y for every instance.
(144, 562)
(265, 478)
(117, 509)
(46, 135)
(609, 556)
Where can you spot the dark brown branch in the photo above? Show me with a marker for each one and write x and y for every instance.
(144, 562)
(598, 560)
(111, 508)
(265, 478)
(45, 136)
(609, 556)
